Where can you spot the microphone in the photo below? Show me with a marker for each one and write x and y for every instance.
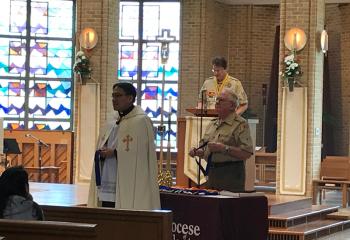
(39, 141)
(204, 99)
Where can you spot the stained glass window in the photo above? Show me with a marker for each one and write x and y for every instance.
(36, 49)
(151, 61)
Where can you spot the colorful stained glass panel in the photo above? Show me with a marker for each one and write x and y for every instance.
(42, 106)
(161, 15)
(47, 20)
(18, 16)
(49, 125)
(51, 59)
(128, 61)
(39, 18)
(129, 19)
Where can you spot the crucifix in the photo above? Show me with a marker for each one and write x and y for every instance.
(127, 140)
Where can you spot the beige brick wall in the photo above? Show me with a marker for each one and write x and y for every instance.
(243, 34)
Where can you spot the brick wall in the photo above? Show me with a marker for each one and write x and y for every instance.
(244, 34)
(338, 26)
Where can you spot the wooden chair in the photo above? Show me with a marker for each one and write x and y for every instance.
(334, 175)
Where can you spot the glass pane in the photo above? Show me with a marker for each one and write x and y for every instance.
(14, 125)
(46, 125)
(128, 20)
(49, 100)
(127, 61)
(12, 57)
(161, 15)
(12, 98)
(152, 100)
(17, 16)
(51, 59)
(48, 73)
(152, 67)
(47, 15)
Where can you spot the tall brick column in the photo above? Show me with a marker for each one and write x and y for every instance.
(308, 15)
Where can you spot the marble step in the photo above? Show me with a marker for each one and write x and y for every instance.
(279, 204)
(311, 230)
(301, 216)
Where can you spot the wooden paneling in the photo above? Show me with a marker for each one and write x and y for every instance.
(57, 154)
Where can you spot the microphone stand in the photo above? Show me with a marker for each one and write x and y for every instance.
(202, 112)
(264, 92)
(40, 145)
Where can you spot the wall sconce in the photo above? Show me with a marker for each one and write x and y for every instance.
(324, 41)
(88, 38)
(295, 39)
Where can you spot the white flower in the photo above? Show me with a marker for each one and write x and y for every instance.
(289, 58)
(80, 54)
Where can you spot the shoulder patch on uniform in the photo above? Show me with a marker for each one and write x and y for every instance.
(243, 126)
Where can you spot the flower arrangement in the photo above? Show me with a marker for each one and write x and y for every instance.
(291, 70)
(82, 64)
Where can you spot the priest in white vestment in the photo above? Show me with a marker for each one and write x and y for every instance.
(125, 171)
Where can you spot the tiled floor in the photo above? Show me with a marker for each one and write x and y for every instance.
(345, 235)
(334, 198)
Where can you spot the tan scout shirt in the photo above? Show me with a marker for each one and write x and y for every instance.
(233, 83)
(233, 131)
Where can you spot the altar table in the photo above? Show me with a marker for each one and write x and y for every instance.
(217, 217)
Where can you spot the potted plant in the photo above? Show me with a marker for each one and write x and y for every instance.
(291, 70)
(82, 66)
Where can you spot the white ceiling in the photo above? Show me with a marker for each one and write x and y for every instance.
(268, 2)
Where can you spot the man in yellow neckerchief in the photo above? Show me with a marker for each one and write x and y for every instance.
(213, 86)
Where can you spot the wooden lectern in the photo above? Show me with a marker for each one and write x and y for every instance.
(182, 178)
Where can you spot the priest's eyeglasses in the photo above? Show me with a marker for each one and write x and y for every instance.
(117, 95)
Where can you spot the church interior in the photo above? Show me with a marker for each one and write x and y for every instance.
(59, 60)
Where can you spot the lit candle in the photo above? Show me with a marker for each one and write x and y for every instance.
(88, 40)
(295, 41)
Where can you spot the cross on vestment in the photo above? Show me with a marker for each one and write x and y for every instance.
(127, 140)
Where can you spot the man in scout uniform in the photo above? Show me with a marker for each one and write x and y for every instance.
(228, 146)
(125, 170)
(213, 86)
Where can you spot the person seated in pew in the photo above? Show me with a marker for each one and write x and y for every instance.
(226, 145)
(125, 169)
(15, 200)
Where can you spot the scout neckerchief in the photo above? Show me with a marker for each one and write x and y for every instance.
(221, 86)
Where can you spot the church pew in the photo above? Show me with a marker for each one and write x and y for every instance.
(34, 230)
(334, 175)
(117, 224)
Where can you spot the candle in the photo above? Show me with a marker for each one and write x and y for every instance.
(295, 41)
(88, 40)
